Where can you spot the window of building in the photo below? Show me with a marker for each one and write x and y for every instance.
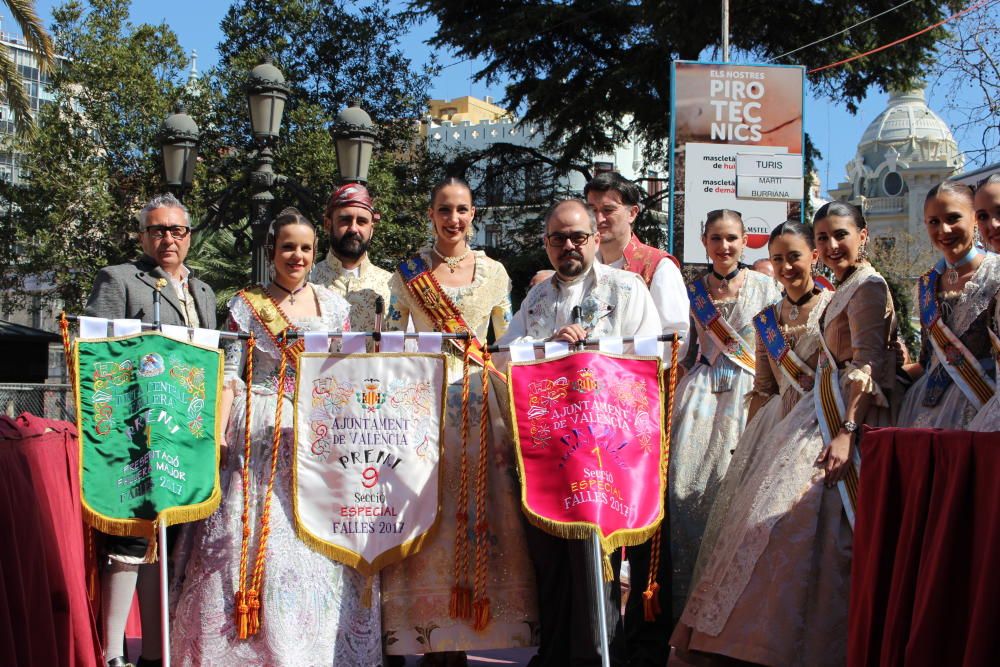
(892, 184)
(601, 167)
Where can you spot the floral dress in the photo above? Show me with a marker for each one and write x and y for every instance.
(709, 417)
(416, 592)
(311, 609)
(967, 313)
(774, 588)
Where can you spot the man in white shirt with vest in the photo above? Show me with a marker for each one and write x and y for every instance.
(612, 302)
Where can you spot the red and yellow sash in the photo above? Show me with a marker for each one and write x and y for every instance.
(427, 292)
(269, 315)
(953, 355)
(830, 411)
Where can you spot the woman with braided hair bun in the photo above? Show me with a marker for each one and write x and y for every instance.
(252, 592)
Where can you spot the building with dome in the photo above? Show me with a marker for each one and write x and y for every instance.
(905, 152)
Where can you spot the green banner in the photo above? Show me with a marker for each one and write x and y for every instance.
(149, 440)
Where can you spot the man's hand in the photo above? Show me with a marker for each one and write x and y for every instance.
(572, 333)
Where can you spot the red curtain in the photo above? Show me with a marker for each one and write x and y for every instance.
(925, 580)
(45, 616)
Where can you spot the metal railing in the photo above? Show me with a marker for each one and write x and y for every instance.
(52, 401)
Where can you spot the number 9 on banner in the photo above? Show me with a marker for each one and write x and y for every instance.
(370, 477)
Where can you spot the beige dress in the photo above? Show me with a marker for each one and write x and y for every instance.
(416, 592)
(770, 382)
(774, 590)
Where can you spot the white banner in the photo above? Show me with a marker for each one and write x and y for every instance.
(367, 451)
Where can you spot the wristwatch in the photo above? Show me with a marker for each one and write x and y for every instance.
(849, 426)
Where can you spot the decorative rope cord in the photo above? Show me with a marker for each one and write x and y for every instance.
(67, 349)
(90, 551)
(481, 604)
(651, 596)
(242, 608)
(265, 518)
(248, 622)
(461, 592)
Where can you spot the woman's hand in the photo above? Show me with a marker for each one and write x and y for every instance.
(836, 456)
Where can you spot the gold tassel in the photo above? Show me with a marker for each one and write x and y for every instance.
(609, 573)
(651, 602)
(253, 615)
(242, 611)
(481, 612)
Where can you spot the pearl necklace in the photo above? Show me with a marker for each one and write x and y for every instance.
(452, 262)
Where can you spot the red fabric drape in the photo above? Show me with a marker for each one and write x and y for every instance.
(45, 617)
(925, 580)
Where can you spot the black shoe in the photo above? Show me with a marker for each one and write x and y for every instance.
(119, 662)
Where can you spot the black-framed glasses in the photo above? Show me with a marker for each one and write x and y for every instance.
(557, 240)
(159, 232)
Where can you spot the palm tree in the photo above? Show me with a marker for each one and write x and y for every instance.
(39, 42)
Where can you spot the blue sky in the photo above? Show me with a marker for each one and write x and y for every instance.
(833, 129)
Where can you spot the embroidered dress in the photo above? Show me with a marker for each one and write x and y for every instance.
(359, 288)
(988, 418)
(311, 611)
(935, 400)
(709, 417)
(774, 589)
(416, 592)
(769, 381)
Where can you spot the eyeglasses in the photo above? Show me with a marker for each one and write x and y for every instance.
(159, 232)
(557, 240)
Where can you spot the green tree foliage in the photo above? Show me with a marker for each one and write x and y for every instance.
(93, 159)
(582, 69)
(39, 41)
(330, 53)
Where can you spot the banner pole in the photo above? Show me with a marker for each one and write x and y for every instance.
(598, 581)
(164, 611)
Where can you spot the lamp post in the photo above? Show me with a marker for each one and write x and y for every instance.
(179, 147)
(267, 93)
(354, 136)
(266, 96)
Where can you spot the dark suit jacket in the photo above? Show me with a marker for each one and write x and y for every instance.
(126, 291)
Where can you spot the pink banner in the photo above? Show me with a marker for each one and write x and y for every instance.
(591, 452)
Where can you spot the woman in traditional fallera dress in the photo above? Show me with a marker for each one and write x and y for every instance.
(786, 352)
(988, 219)
(710, 412)
(774, 589)
(310, 607)
(463, 288)
(956, 300)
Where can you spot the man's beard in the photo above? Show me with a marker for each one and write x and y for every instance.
(569, 269)
(351, 245)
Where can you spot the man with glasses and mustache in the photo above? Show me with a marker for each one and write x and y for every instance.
(350, 220)
(125, 291)
(612, 303)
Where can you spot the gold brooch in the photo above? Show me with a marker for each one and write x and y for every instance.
(268, 313)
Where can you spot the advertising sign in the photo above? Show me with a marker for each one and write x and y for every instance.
(723, 116)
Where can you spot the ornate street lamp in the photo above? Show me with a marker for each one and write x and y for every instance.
(266, 95)
(179, 145)
(354, 134)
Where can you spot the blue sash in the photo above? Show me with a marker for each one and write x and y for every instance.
(769, 331)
